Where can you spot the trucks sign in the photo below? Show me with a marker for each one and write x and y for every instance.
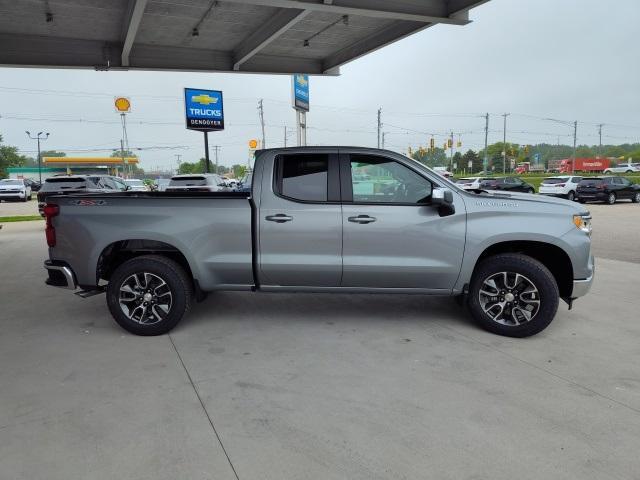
(203, 109)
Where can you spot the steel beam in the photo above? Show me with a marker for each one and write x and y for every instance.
(131, 24)
(386, 13)
(279, 23)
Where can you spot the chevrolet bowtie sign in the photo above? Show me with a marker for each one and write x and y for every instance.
(203, 109)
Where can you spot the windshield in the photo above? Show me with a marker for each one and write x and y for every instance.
(135, 182)
(11, 182)
(190, 181)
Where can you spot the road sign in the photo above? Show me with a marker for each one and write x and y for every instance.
(536, 157)
(203, 109)
(300, 88)
(122, 104)
(253, 144)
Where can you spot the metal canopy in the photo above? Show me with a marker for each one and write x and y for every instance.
(260, 36)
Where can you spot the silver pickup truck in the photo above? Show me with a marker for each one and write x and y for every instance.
(324, 219)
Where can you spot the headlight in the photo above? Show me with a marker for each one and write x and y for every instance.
(583, 223)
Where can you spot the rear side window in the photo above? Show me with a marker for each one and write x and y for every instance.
(303, 177)
(576, 179)
(63, 183)
(553, 181)
(591, 182)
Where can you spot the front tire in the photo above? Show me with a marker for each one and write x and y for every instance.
(149, 295)
(513, 295)
(531, 190)
(571, 196)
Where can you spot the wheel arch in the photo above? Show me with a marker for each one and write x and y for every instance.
(551, 256)
(116, 253)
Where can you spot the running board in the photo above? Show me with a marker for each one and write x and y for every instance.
(90, 293)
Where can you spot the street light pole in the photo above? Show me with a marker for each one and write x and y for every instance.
(38, 138)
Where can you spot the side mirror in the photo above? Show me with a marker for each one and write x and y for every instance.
(442, 198)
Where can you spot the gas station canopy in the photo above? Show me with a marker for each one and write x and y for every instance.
(261, 36)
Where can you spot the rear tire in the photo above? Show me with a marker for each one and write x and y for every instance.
(531, 190)
(636, 198)
(611, 199)
(571, 196)
(525, 300)
(149, 295)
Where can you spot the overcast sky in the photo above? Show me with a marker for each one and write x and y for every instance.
(563, 59)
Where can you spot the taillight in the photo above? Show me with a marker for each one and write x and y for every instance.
(50, 210)
(560, 184)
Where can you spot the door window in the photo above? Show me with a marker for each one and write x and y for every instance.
(381, 180)
(303, 177)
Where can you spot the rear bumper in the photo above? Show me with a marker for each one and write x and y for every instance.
(592, 195)
(60, 275)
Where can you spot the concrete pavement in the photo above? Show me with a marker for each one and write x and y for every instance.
(313, 386)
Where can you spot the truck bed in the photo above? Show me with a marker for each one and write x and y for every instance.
(211, 230)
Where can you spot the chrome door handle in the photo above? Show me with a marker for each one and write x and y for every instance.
(279, 218)
(362, 219)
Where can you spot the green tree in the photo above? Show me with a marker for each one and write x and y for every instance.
(474, 158)
(435, 158)
(9, 157)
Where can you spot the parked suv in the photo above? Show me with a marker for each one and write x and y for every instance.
(205, 182)
(15, 189)
(607, 189)
(561, 186)
(510, 184)
(67, 184)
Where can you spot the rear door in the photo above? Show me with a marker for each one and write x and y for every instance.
(300, 221)
(393, 237)
(626, 188)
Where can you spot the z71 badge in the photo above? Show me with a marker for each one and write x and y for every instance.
(87, 203)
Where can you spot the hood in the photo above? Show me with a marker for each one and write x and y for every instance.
(532, 198)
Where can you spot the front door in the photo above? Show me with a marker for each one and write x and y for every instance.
(393, 237)
(301, 222)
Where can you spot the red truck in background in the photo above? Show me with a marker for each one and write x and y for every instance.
(526, 167)
(583, 165)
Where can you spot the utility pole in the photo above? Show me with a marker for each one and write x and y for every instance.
(216, 147)
(504, 144)
(38, 138)
(285, 135)
(575, 135)
(600, 125)
(451, 161)
(379, 125)
(383, 134)
(261, 114)
(485, 161)
(178, 156)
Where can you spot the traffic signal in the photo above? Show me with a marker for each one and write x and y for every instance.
(458, 144)
(432, 143)
(449, 143)
(410, 151)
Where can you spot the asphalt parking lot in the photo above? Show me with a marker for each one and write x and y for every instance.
(303, 386)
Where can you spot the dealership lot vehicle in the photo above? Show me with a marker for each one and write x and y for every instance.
(507, 184)
(607, 189)
(69, 184)
(135, 185)
(470, 183)
(561, 186)
(15, 189)
(308, 225)
(207, 182)
(624, 168)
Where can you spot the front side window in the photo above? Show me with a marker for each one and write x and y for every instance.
(381, 180)
(303, 177)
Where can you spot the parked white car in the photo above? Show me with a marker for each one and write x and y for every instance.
(561, 186)
(136, 185)
(469, 183)
(443, 171)
(623, 168)
(15, 189)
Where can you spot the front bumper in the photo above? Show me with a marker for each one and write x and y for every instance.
(12, 195)
(60, 275)
(581, 287)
